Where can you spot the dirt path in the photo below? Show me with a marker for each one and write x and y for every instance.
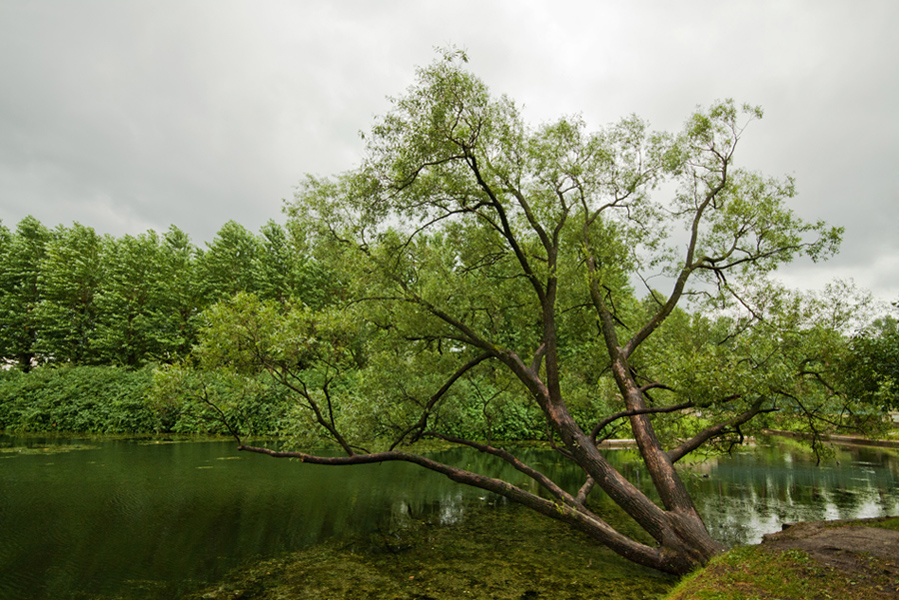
(860, 551)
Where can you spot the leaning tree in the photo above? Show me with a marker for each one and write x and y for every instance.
(475, 255)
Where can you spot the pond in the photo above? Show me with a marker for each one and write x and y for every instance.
(158, 518)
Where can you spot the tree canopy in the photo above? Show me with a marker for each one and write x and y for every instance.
(70, 296)
(871, 366)
(583, 282)
(476, 280)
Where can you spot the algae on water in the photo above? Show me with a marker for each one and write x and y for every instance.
(504, 552)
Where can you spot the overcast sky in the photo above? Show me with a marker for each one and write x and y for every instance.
(127, 116)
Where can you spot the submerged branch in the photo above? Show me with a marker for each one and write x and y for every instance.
(571, 513)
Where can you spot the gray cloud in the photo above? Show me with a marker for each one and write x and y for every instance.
(129, 116)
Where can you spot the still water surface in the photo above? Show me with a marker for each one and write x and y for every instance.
(154, 519)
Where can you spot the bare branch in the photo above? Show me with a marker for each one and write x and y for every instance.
(221, 415)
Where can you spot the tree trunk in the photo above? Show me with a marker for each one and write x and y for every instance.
(683, 541)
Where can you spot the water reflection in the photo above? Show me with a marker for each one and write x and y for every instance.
(747, 495)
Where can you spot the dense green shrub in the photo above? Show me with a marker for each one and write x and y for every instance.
(501, 419)
(77, 399)
(195, 401)
(172, 399)
(100, 399)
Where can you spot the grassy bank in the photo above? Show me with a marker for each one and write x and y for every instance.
(761, 571)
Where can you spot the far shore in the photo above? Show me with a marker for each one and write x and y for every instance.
(848, 440)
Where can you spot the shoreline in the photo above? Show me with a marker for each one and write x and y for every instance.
(837, 439)
(847, 440)
(850, 559)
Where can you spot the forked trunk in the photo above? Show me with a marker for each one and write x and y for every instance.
(682, 541)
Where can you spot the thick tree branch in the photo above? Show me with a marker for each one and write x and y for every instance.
(630, 413)
(519, 466)
(573, 514)
(675, 454)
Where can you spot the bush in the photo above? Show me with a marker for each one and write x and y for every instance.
(77, 399)
(197, 401)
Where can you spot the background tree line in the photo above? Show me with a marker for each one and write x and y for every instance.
(116, 309)
(71, 296)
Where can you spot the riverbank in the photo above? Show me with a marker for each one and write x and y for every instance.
(851, 440)
(846, 560)
(848, 440)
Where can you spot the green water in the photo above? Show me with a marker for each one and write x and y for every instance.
(152, 519)
(744, 496)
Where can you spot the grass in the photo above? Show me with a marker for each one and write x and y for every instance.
(751, 572)
(889, 524)
(757, 572)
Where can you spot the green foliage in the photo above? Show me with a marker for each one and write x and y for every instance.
(77, 399)
(229, 264)
(69, 296)
(491, 417)
(101, 399)
(262, 367)
(133, 317)
(871, 369)
(22, 255)
(889, 524)
(69, 278)
(281, 272)
(788, 357)
(245, 346)
(467, 231)
(217, 402)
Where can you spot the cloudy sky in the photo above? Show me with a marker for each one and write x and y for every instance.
(127, 116)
